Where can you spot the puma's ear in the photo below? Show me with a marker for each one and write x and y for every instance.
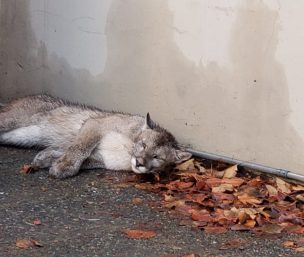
(181, 156)
(149, 123)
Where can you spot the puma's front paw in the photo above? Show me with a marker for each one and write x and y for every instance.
(62, 168)
(45, 158)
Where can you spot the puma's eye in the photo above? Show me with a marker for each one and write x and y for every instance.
(155, 156)
(144, 145)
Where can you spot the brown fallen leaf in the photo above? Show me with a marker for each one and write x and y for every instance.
(283, 186)
(292, 228)
(248, 199)
(250, 223)
(27, 243)
(147, 186)
(137, 200)
(215, 229)
(300, 198)
(139, 234)
(288, 243)
(261, 204)
(297, 245)
(234, 243)
(297, 188)
(174, 204)
(230, 172)
(270, 229)
(300, 241)
(299, 249)
(272, 191)
(223, 188)
(187, 165)
(236, 182)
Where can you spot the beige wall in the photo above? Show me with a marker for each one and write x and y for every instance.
(223, 76)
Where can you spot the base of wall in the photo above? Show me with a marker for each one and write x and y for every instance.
(250, 165)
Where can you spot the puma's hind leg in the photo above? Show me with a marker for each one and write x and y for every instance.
(19, 112)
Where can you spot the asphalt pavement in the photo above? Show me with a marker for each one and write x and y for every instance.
(87, 215)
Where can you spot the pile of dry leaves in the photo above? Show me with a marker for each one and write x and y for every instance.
(217, 201)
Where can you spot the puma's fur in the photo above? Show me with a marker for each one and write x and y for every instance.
(76, 136)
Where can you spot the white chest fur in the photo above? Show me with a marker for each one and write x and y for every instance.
(115, 150)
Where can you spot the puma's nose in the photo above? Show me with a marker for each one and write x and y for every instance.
(139, 163)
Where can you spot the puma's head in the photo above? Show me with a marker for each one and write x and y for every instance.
(155, 148)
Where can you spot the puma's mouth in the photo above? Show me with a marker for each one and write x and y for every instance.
(139, 169)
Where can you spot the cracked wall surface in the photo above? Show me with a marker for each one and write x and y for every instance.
(223, 76)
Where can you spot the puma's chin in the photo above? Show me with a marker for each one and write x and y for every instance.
(139, 170)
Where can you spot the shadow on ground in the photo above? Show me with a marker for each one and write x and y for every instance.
(85, 216)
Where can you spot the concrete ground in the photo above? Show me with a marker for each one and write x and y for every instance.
(85, 216)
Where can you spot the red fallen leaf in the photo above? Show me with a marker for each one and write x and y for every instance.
(27, 243)
(234, 243)
(37, 222)
(200, 185)
(201, 215)
(184, 185)
(215, 229)
(26, 168)
(256, 182)
(197, 198)
(179, 185)
(211, 182)
(239, 227)
(139, 234)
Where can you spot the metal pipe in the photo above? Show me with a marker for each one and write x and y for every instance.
(254, 166)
